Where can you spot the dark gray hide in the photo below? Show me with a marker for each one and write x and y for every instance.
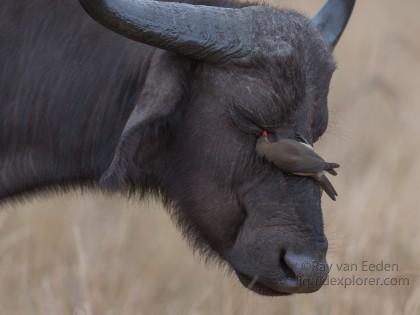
(175, 111)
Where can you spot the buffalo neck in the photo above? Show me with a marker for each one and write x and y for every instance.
(67, 89)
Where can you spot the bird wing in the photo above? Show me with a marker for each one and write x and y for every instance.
(332, 172)
(294, 157)
(309, 165)
(308, 162)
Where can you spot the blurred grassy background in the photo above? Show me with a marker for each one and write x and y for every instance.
(89, 254)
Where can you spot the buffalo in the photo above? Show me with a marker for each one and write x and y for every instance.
(169, 98)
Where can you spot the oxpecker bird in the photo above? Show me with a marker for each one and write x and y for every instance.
(298, 158)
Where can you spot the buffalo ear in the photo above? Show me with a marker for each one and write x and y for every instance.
(147, 126)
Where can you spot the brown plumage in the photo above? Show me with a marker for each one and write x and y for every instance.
(299, 159)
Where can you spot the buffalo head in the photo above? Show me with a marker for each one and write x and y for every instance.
(220, 77)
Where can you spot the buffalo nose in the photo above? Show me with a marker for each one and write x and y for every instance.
(306, 273)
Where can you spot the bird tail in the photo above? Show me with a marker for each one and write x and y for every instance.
(327, 186)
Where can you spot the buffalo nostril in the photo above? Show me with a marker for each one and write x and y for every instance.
(309, 273)
(285, 267)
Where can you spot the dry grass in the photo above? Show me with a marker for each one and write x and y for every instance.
(91, 255)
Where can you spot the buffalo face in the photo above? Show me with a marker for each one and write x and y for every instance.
(265, 223)
(227, 78)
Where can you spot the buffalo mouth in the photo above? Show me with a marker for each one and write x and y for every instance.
(258, 287)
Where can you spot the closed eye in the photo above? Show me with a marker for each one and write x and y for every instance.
(251, 122)
(244, 121)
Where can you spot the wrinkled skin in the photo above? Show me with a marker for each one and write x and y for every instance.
(245, 209)
(200, 157)
(265, 223)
